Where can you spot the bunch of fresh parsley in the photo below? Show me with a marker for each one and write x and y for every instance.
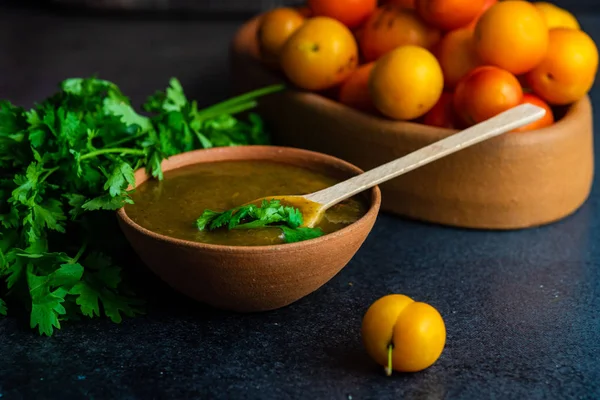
(269, 213)
(68, 162)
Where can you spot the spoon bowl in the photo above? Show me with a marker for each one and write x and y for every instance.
(312, 212)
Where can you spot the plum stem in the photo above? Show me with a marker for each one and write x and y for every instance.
(388, 369)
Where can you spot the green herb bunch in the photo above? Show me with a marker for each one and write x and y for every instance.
(269, 214)
(68, 163)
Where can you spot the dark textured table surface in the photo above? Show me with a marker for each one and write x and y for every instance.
(522, 309)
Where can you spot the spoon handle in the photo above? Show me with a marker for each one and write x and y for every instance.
(504, 122)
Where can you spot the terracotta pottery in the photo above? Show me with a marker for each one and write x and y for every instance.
(517, 180)
(252, 278)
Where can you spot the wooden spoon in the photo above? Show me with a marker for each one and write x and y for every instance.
(314, 205)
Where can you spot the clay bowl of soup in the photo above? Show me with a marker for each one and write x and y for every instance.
(243, 270)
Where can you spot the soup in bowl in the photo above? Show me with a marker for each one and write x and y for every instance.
(243, 270)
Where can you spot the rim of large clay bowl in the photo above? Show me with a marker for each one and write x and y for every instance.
(344, 166)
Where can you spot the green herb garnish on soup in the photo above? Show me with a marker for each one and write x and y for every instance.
(216, 190)
(269, 213)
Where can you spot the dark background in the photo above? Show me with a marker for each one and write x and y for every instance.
(209, 7)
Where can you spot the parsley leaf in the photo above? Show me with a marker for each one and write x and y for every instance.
(47, 303)
(119, 179)
(10, 219)
(99, 286)
(106, 202)
(12, 267)
(3, 310)
(49, 215)
(76, 201)
(269, 213)
(26, 183)
(11, 120)
(126, 114)
(90, 295)
(175, 99)
(206, 218)
(300, 234)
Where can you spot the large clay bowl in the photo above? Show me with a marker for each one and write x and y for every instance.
(247, 279)
(517, 180)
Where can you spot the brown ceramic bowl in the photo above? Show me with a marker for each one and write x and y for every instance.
(252, 278)
(517, 180)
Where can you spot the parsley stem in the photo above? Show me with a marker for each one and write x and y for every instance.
(125, 140)
(231, 111)
(120, 150)
(79, 253)
(226, 107)
(48, 173)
